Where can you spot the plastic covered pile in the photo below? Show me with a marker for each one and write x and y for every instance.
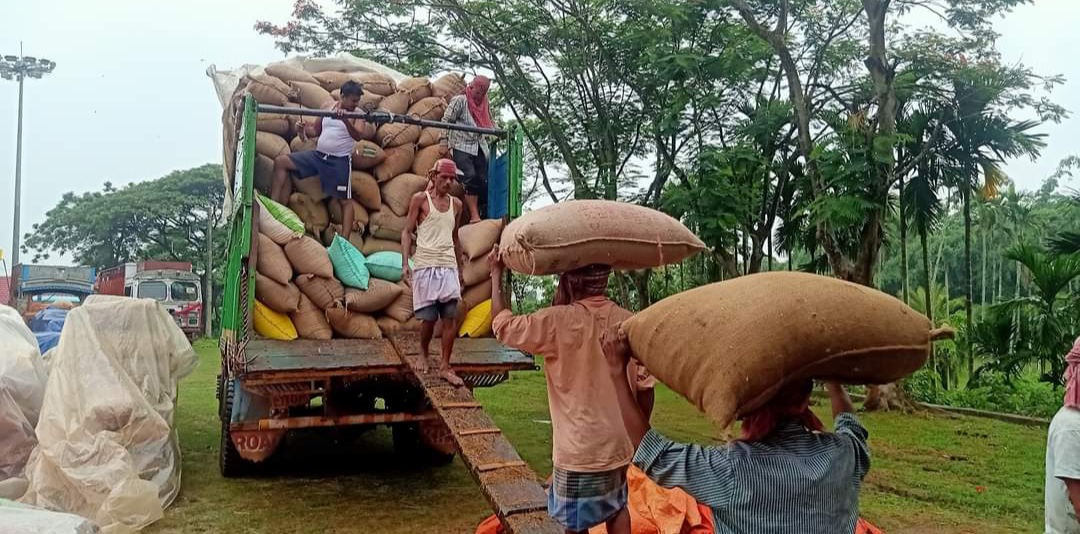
(107, 449)
(22, 387)
(16, 518)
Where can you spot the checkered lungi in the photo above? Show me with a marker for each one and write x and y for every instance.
(580, 501)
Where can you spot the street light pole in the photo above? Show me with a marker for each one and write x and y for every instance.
(19, 67)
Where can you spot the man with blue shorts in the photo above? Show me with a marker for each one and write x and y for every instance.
(331, 160)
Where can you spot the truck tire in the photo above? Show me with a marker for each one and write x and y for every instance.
(231, 464)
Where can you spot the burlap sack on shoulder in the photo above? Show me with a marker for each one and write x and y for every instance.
(308, 256)
(365, 190)
(352, 325)
(377, 297)
(728, 347)
(310, 321)
(399, 160)
(282, 298)
(272, 262)
(576, 233)
(324, 292)
(398, 193)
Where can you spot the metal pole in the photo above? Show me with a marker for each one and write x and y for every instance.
(18, 179)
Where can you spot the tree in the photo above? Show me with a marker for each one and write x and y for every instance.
(166, 219)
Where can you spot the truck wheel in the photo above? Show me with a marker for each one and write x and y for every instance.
(408, 443)
(229, 461)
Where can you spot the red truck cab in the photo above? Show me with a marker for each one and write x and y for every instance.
(170, 282)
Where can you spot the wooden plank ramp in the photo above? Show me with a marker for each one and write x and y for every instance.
(509, 485)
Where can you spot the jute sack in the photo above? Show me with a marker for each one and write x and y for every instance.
(473, 296)
(401, 309)
(331, 80)
(310, 186)
(360, 214)
(288, 73)
(398, 193)
(263, 174)
(311, 95)
(279, 232)
(365, 190)
(728, 347)
(270, 261)
(373, 245)
(448, 86)
(277, 83)
(265, 90)
(324, 292)
(430, 108)
(282, 298)
(430, 136)
(271, 324)
(370, 101)
(367, 155)
(417, 88)
(397, 103)
(271, 145)
(312, 213)
(426, 157)
(275, 124)
(476, 271)
(479, 238)
(352, 325)
(399, 160)
(576, 233)
(310, 321)
(386, 224)
(397, 134)
(377, 297)
(375, 83)
(308, 256)
(332, 231)
(301, 145)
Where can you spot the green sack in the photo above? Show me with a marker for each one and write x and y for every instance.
(386, 265)
(282, 214)
(349, 264)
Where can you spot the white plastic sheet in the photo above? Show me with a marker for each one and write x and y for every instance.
(22, 387)
(107, 449)
(18, 518)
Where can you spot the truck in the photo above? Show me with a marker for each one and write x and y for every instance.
(35, 287)
(267, 388)
(172, 283)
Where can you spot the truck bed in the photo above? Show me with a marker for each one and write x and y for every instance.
(270, 360)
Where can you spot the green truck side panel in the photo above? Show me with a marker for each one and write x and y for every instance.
(233, 320)
(516, 164)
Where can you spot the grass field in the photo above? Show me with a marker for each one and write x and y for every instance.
(930, 473)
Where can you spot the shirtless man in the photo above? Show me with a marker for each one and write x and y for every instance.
(436, 280)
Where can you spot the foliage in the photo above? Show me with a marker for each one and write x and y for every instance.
(995, 392)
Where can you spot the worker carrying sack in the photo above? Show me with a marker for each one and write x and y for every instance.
(729, 347)
(573, 234)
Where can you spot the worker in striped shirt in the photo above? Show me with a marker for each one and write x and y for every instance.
(784, 475)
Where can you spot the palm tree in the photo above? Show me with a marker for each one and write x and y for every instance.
(983, 137)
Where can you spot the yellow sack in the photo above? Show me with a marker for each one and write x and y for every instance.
(477, 322)
(274, 325)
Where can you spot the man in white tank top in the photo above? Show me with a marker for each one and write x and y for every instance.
(436, 277)
(331, 160)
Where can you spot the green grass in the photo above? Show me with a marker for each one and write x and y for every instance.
(930, 473)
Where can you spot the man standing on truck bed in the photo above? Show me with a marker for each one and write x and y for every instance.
(436, 281)
(331, 160)
(470, 150)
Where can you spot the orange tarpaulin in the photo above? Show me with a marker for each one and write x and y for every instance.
(655, 510)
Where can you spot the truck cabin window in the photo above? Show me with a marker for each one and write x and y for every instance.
(152, 290)
(185, 291)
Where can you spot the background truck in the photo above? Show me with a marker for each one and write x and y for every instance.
(35, 287)
(169, 282)
(268, 388)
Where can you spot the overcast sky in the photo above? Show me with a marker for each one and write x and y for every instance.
(130, 101)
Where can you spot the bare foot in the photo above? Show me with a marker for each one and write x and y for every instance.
(451, 377)
(423, 365)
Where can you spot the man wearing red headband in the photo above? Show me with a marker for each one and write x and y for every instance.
(436, 280)
(1062, 498)
(470, 150)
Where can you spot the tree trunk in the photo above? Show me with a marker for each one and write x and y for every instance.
(928, 301)
(982, 299)
(904, 281)
(208, 280)
(969, 286)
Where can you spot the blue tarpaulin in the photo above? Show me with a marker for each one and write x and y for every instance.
(46, 326)
(47, 340)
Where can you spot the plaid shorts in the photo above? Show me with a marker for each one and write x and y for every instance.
(580, 501)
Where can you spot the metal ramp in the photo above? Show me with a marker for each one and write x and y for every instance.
(509, 485)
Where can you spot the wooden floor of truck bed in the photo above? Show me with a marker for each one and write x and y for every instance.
(343, 356)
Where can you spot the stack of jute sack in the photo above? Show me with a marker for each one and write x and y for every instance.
(305, 290)
(727, 347)
(309, 293)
